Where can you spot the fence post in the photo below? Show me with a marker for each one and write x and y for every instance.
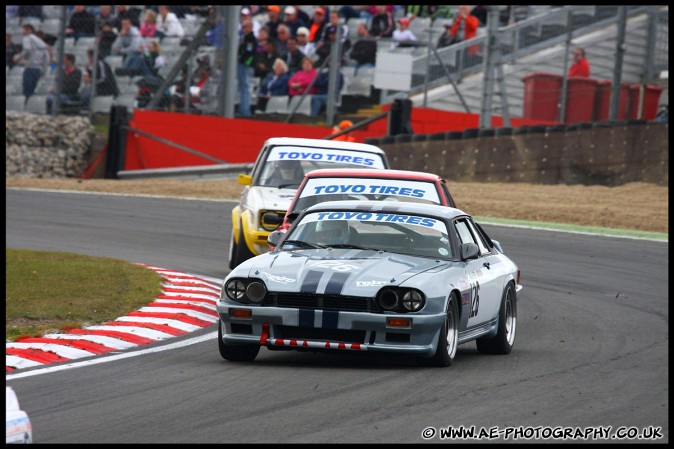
(114, 161)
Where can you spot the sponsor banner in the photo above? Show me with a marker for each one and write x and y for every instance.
(381, 217)
(358, 158)
(388, 187)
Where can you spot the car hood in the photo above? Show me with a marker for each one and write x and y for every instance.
(339, 271)
(271, 198)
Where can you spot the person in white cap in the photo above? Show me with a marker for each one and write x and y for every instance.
(306, 47)
(403, 36)
(246, 14)
(292, 20)
(168, 23)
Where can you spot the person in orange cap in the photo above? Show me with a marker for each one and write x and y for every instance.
(342, 126)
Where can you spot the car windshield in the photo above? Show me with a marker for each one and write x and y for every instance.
(285, 166)
(376, 231)
(318, 190)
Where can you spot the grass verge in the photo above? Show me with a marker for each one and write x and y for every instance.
(51, 291)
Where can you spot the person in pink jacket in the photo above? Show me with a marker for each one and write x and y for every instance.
(299, 82)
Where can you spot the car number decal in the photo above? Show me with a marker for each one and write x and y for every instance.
(335, 265)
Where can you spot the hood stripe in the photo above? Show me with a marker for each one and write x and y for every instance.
(310, 284)
(336, 283)
(306, 317)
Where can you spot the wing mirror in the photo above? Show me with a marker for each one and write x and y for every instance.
(275, 238)
(469, 251)
(244, 179)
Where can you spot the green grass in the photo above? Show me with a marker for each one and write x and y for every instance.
(50, 291)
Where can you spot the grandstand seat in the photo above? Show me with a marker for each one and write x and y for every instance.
(84, 43)
(51, 26)
(300, 108)
(114, 61)
(102, 104)
(36, 104)
(277, 105)
(14, 102)
(125, 100)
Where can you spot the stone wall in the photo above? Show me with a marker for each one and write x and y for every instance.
(42, 146)
(598, 153)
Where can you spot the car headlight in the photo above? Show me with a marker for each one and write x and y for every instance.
(394, 299)
(246, 290)
(413, 300)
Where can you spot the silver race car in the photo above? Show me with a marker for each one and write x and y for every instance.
(403, 277)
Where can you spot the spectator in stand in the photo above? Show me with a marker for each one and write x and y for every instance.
(465, 27)
(247, 14)
(81, 24)
(274, 16)
(199, 79)
(334, 21)
(481, 13)
(264, 60)
(316, 33)
(299, 82)
(274, 84)
(124, 12)
(262, 39)
(382, 24)
(580, 66)
(403, 36)
(154, 58)
(293, 57)
(104, 15)
(11, 49)
(26, 11)
(324, 48)
(320, 98)
(292, 20)
(364, 50)
(148, 27)
(105, 39)
(283, 34)
(168, 24)
(306, 47)
(346, 137)
(414, 11)
(302, 15)
(245, 68)
(70, 85)
(35, 56)
(106, 84)
(446, 38)
(128, 44)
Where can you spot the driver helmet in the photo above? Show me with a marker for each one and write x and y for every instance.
(288, 170)
(332, 232)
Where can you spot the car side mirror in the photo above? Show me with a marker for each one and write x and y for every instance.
(291, 217)
(244, 179)
(275, 238)
(469, 251)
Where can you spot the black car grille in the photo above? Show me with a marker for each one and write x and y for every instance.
(321, 302)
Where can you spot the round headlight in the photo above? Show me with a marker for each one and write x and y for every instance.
(235, 289)
(413, 300)
(388, 299)
(256, 291)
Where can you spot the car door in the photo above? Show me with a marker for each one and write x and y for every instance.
(483, 274)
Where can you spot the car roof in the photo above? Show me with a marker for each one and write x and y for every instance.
(398, 207)
(369, 173)
(324, 143)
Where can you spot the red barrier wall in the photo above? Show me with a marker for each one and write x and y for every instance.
(240, 140)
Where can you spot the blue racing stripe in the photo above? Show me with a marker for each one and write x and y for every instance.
(306, 318)
(336, 283)
(310, 284)
(330, 319)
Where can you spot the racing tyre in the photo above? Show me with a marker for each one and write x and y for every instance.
(236, 353)
(242, 252)
(232, 252)
(503, 341)
(448, 341)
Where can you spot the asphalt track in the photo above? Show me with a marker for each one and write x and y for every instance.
(591, 349)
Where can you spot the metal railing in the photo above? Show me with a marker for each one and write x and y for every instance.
(433, 66)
